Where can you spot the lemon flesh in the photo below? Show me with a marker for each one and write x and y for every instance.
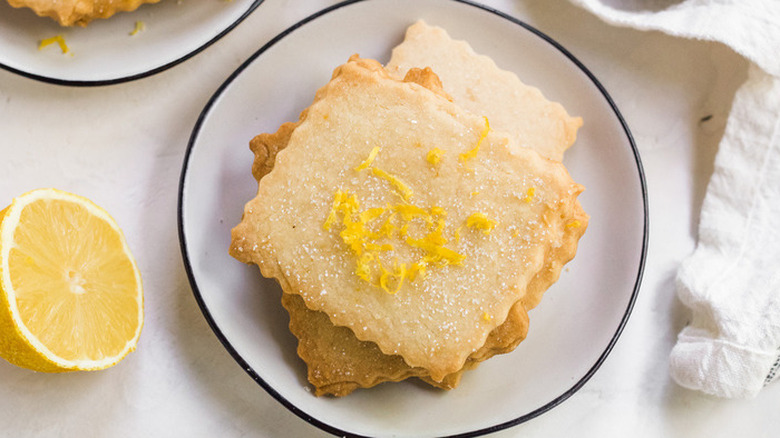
(70, 291)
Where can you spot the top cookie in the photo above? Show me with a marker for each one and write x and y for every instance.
(405, 218)
(478, 85)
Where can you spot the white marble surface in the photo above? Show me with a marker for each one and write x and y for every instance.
(123, 146)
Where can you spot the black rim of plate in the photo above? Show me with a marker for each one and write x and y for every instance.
(281, 399)
(133, 77)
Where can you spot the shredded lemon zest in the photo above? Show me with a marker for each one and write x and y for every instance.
(481, 222)
(396, 182)
(365, 240)
(434, 156)
(363, 269)
(529, 195)
(408, 212)
(383, 278)
(386, 229)
(369, 160)
(475, 193)
(435, 252)
(370, 246)
(371, 214)
(356, 232)
(436, 237)
(482, 136)
(139, 27)
(400, 274)
(456, 235)
(338, 199)
(386, 277)
(574, 224)
(487, 317)
(417, 268)
(59, 39)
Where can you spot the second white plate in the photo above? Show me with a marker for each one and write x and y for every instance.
(105, 52)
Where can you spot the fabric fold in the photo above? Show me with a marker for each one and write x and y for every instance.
(731, 282)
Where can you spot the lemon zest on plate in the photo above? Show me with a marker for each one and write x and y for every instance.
(58, 39)
(140, 26)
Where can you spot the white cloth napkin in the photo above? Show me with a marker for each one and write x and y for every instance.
(731, 282)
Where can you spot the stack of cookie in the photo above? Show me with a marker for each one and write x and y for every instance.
(413, 214)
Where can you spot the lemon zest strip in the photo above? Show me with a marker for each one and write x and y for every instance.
(396, 182)
(59, 39)
(481, 222)
(482, 136)
(139, 27)
(434, 156)
(529, 195)
(369, 160)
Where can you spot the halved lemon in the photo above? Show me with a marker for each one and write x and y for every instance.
(70, 291)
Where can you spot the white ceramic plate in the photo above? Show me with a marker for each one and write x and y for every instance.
(572, 330)
(105, 52)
